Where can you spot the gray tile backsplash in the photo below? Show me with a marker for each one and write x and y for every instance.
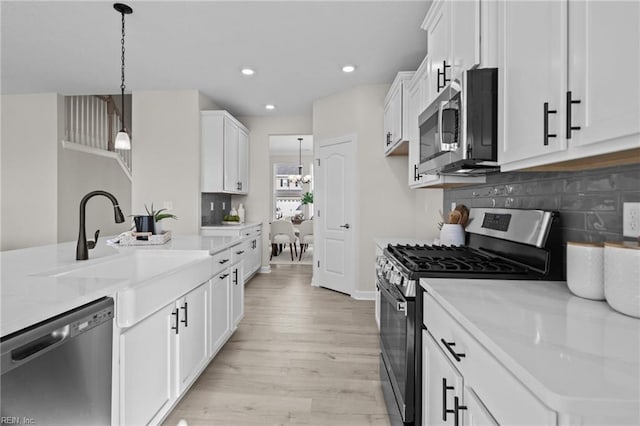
(589, 202)
(214, 217)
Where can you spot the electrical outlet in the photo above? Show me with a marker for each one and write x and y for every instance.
(453, 205)
(631, 220)
(211, 206)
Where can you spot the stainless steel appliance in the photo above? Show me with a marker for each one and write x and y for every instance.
(459, 130)
(58, 372)
(500, 244)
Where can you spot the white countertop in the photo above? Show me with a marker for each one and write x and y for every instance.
(28, 294)
(576, 355)
(238, 227)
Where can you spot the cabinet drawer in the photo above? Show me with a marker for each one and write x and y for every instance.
(508, 400)
(240, 251)
(221, 260)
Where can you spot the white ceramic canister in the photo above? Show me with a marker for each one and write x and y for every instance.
(622, 277)
(452, 234)
(241, 213)
(585, 269)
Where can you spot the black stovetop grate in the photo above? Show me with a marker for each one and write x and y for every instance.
(457, 259)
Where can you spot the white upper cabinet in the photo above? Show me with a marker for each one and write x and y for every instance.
(395, 115)
(533, 78)
(604, 70)
(224, 154)
(453, 41)
(569, 83)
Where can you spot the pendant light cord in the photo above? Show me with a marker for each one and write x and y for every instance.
(122, 86)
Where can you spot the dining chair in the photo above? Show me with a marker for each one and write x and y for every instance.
(306, 236)
(282, 232)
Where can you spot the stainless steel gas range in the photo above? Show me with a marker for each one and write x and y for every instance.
(500, 244)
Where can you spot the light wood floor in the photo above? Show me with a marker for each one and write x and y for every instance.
(301, 355)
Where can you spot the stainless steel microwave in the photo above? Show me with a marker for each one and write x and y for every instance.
(459, 130)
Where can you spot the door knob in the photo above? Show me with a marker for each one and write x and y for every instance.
(346, 226)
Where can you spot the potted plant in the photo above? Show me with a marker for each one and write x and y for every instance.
(151, 222)
(307, 200)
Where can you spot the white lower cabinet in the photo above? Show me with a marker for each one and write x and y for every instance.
(146, 366)
(442, 386)
(192, 335)
(237, 294)
(220, 311)
(476, 413)
(463, 383)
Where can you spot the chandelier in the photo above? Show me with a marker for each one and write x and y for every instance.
(300, 178)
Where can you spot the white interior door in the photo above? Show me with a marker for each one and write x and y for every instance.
(335, 227)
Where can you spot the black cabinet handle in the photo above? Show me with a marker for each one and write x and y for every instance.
(570, 102)
(388, 138)
(186, 312)
(548, 111)
(176, 313)
(456, 410)
(223, 261)
(443, 74)
(416, 176)
(445, 410)
(448, 345)
(235, 276)
(240, 252)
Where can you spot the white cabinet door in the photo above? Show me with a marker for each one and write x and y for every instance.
(465, 35)
(442, 387)
(231, 182)
(212, 151)
(146, 365)
(237, 294)
(438, 28)
(192, 335)
(532, 78)
(396, 117)
(604, 65)
(476, 413)
(243, 161)
(220, 311)
(256, 254)
(413, 111)
(387, 124)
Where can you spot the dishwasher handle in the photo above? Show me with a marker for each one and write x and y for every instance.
(38, 345)
(22, 346)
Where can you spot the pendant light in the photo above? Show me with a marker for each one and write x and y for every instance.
(122, 138)
(300, 178)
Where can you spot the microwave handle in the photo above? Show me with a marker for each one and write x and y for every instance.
(440, 124)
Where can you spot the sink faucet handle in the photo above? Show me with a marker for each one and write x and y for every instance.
(92, 244)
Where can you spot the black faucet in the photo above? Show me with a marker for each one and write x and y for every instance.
(83, 247)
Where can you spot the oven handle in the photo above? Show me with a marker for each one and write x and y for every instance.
(400, 305)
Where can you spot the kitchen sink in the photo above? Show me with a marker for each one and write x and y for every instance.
(151, 279)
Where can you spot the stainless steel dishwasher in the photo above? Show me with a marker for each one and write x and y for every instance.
(58, 372)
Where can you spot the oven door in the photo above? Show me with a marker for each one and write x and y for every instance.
(397, 345)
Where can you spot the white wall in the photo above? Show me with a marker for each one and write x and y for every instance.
(80, 173)
(30, 135)
(385, 202)
(166, 154)
(258, 203)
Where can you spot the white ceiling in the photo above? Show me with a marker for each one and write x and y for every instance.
(296, 47)
(289, 145)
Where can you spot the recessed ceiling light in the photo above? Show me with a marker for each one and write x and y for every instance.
(247, 71)
(270, 106)
(348, 68)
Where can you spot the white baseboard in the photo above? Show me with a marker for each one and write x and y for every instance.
(265, 269)
(364, 295)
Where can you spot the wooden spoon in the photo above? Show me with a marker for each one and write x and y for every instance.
(464, 214)
(454, 217)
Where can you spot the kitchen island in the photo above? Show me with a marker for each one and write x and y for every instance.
(530, 352)
(175, 306)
